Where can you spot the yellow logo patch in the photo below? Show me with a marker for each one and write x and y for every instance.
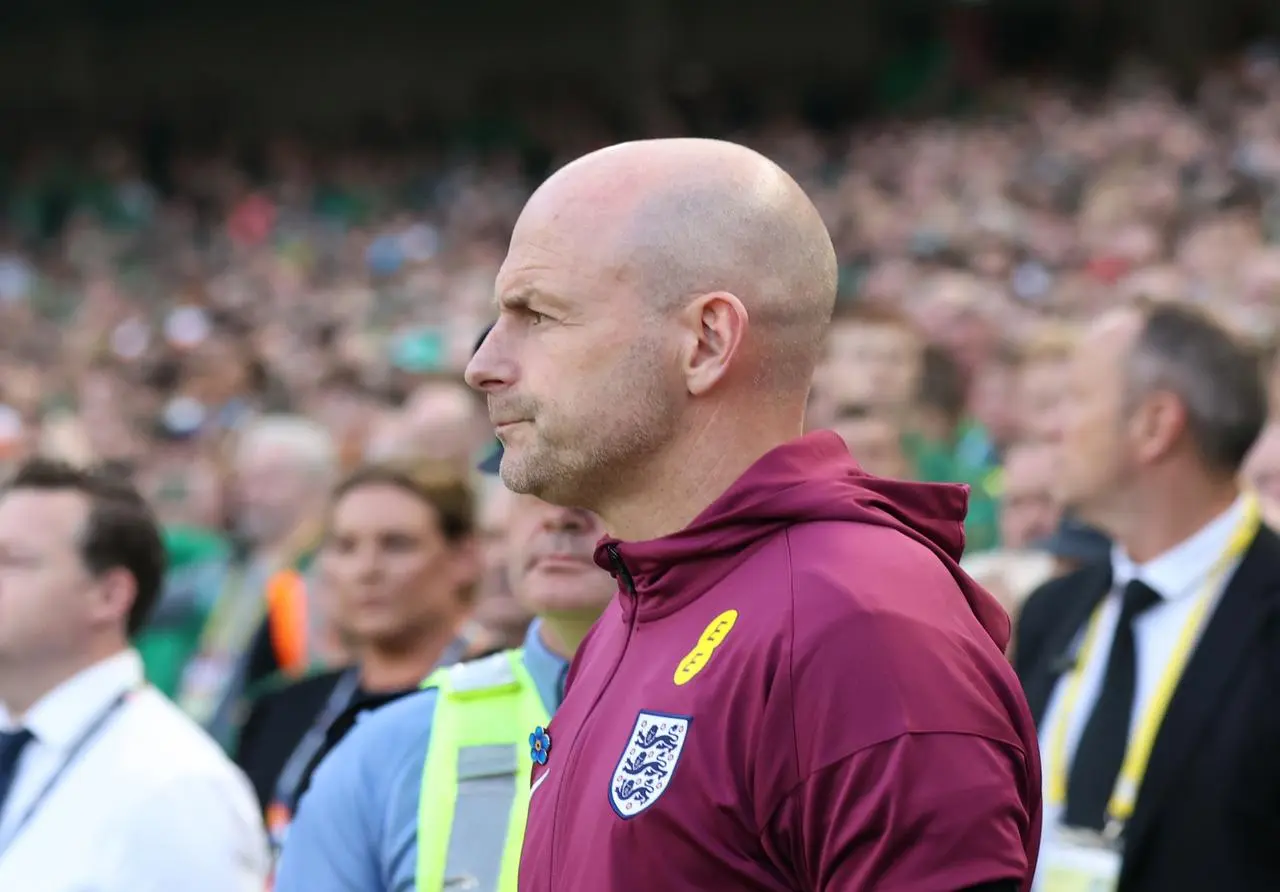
(712, 637)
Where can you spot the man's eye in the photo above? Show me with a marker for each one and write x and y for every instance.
(536, 318)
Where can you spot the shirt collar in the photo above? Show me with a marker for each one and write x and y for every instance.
(1180, 571)
(548, 669)
(62, 715)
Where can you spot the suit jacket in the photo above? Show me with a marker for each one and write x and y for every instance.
(1207, 815)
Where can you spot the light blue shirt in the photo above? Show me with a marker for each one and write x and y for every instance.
(356, 829)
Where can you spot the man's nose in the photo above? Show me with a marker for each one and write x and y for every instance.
(368, 564)
(489, 369)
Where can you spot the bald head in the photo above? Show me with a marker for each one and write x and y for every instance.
(663, 306)
(687, 217)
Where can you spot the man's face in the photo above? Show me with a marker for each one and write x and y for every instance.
(271, 492)
(390, 572)
(1094, 456)
(876, 444)
(551, 563)
(46, 596)
(1027, 509)
(1262, 470)
(1041, 391)
(994, 401)
(875, 363)
(444, 422)
(496, 606)
(582, 389)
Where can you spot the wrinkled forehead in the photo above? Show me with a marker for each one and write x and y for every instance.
(574, 250)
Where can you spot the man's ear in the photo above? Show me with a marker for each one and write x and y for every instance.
(717, 325)
(1157, 424)
(114, 595)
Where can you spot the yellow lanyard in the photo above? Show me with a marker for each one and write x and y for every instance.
(1138, 753)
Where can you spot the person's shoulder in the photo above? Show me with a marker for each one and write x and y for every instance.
(379, 759)
(281, 686)
(158, 746)
(1052, 601)
(841, 568)
(390, 734)
(889, 612)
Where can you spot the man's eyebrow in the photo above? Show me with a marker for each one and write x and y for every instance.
(524, 298)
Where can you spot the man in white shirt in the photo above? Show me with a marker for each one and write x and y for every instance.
(104, 785)
(1152, 675)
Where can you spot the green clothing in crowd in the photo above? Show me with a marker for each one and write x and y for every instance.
(970, 458)
(197, 565)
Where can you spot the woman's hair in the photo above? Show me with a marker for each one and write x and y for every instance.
(435, 483)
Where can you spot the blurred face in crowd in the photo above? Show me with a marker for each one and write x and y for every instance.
(550, 560)
(183, 488)
(994, 400)
(1041, 390)
(875, 441)
(1027, 508)
(955, 314)
(392, 573)
(272, 493)
(496, 606)
(1262, 471)
(870, 362)
(51, 608)
(444, 421)
(343, 410)
(1098, 452)
(218, 372)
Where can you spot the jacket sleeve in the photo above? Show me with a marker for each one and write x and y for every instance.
(919, 813)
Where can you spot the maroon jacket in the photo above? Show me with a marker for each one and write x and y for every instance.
(800, 691)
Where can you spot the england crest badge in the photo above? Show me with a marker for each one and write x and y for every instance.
(648, 762)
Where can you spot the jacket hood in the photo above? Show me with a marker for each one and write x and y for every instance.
(807, 480)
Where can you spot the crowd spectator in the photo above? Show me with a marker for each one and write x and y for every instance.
(88, 752)
(399, 561)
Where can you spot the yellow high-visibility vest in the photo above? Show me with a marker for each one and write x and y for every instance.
(476, 775)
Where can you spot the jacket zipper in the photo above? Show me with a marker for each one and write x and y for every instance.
(628, 586)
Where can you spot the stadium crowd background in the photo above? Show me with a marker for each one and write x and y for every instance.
(234, 314)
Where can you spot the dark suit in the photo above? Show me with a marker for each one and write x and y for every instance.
(1207, 816)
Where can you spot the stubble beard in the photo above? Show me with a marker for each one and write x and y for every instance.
(608, 454)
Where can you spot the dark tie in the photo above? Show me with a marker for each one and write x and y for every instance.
(1100, 753)
(12, 743)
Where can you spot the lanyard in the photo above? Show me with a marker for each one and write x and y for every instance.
(76, 750)
(1138, 752)
(284, 798)
(343, 693)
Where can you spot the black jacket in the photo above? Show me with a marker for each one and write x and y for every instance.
(1208, 811)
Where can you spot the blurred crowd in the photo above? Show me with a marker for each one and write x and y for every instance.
(237, 326)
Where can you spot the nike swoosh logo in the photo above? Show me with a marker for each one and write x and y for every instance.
(539, 781)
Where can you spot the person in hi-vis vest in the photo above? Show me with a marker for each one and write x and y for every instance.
(430, 792)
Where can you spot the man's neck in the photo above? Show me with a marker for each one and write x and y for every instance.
(667, 495)
(384, 670)
(1167, 516)
(562, 635)
(21, 688)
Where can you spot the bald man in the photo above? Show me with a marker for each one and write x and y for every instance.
(796, 687)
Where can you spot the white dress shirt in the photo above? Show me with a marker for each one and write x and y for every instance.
(1178, 576)
(149, 803)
